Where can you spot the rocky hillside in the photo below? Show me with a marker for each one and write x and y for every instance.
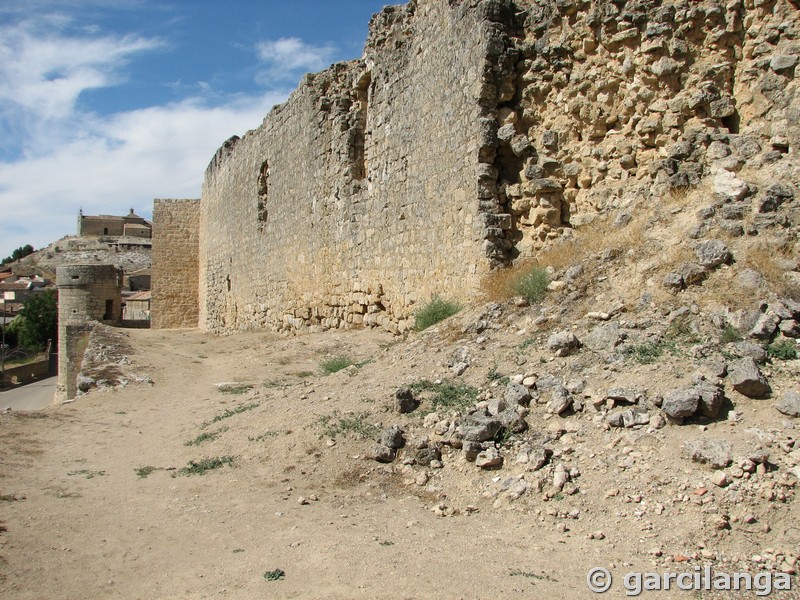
(129, 254)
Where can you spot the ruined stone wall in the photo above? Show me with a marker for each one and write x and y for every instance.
(87, 294)
(608, 104)
(475, 133)
(175, 269)
(356, 198)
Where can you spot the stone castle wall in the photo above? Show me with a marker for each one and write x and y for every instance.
(356, 198)
(175, 269)
(87, 294)
(471, 134)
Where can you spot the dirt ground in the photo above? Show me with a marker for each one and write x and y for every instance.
(95, 505)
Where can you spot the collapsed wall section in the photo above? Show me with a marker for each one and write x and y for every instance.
(604, 104)
(175, 270)
(357, 198)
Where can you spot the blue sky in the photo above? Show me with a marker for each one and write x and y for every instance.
(107, 104)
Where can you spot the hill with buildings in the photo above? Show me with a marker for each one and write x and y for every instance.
(123, 241)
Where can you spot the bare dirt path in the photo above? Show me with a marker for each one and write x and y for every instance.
(94, 503)
(81, 523)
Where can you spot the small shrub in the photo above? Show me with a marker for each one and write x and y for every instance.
(275, 383)
(275, 575)
(494, 375)
(531, 284)
(335, 364)
(88, 473)
(206, 464)
(731, 334)
(447, 394)
(436, 310)
(782, 350)
(205, 437)
(229, 413)
(237, 389)
(680, 330)
(143, 472)
(264, 436)
(353, 424)
(646, 353)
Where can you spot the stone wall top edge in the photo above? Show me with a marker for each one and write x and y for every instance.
(380, 26)
(86, 274)
(312, 85)
(174, 200)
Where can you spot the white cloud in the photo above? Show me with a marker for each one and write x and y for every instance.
(287, 58)
(43, 73)
(65, 157)
(124, 162)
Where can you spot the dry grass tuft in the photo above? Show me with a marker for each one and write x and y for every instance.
(723, 288)
(761, 258)
(588, 242)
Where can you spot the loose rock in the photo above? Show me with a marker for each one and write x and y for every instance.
(713, 452)
(789, 403)
(746, 378)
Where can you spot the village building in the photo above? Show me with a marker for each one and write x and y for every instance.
(136, 306)
(131, 225)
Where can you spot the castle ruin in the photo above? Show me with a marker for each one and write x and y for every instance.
(469, 135)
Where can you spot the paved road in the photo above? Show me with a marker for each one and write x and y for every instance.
(29, 397)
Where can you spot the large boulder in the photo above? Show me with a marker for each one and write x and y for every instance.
(712, 398)
(560, 400)
(604, 337)
(392, 437)
(517, 393)
(404, 400)
(746, 378)
(628, 417)
(480, 428)
(713, 452)
(680, 404)
(729, 186)
(489, 459)
(712, 253)
(563, 343)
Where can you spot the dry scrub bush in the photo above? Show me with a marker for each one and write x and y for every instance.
(762, 258)
(587, 242)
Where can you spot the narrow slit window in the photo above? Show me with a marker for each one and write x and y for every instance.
(263, 195)
(358, 136)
